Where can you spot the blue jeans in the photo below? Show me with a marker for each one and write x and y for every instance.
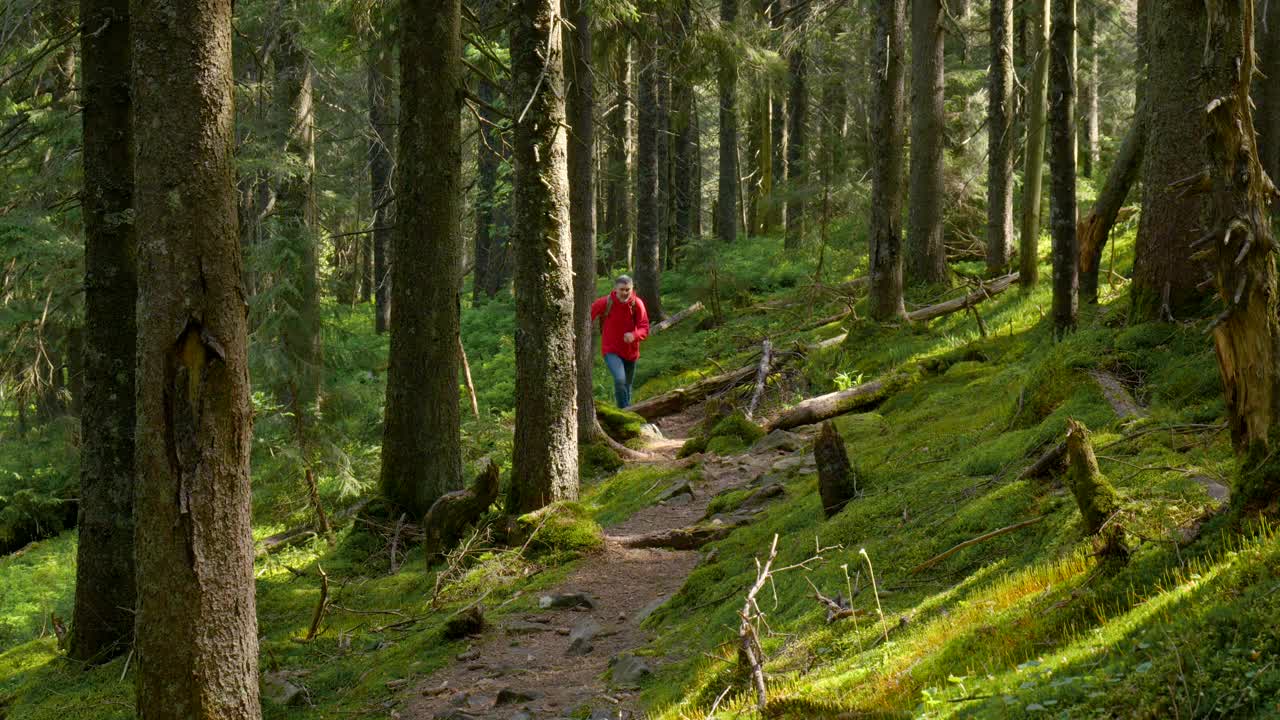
(623, 372)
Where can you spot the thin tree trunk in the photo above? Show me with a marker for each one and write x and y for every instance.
(648, 240)
(1266, 88)
(619, 222)
(421, 443)
(662, 107)
(545, 458)
(1247, 334)
(1096, 227)
(196, 625)
(926, 257)
(381, 159)
(885, 232)
(1089, 90)
(1000, 117)
(685, 140)
(488, 160)
(1033, 173)
(727, 196)
(797, 117)
(1063, 166)
(580, 102)
(295, 118)
(105, 589)
(777, 129)
(1164, 276)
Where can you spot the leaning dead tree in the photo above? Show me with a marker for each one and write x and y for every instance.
(1240, 250)
(825, 407)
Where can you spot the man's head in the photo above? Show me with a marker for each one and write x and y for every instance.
(623, 288)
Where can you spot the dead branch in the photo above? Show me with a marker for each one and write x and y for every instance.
(321, 607)
(837, 608)
(466, 374)
(825, 407)
(750, 653)
(395, 540)
(299, 535)
(766, 355)
(974, 541)
(987, 290)
(1045, 462)
(671, 321)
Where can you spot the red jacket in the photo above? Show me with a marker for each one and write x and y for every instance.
(622, 318)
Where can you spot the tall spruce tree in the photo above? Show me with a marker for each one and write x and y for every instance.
(926, 256)
(727, 197)
(887, 123)
(1063, 165)
(1000, 116)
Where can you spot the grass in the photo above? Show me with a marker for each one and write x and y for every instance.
(1027, 624)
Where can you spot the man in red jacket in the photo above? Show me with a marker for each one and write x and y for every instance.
(623, 324)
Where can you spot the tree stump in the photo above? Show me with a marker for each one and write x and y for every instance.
(454, 511)
(1094, 495)
(837, 481)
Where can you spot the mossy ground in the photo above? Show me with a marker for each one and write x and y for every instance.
(1024, 625)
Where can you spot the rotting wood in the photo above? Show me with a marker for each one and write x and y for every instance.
(837, 608)
(974, 541)
(669, 322)
(837, 480)
(1045, 462)
(825, 407)
(1118, 396)
(986, 291)
(395, 542)
(750, 653)
(680, 398)
(452, 512)
(296, 536)
(762, 373)
(685, 538)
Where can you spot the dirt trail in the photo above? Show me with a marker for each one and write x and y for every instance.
(524, 669)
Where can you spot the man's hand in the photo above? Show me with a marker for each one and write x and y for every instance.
(629, 337)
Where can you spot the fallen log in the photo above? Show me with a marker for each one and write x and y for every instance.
(825, 407)
(1046, 462)
(673, 402)
(986, 290)
(762, 373)
(1118, 396)
(297, 536)
(685, 538)
(666, 324)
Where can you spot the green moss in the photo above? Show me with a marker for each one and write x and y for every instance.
(620, 424)
(616, 498)
(693, 446)
(559, 532)
(737, 425)
(725, 445)
(596, 459)
(728, 501)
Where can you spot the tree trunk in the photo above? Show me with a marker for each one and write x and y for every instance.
(926, 257)
(1033, 173)
(545, 458)
(382, 120)
(105, 590)
(727, 196)
(580, 106)
(488, 161)
(777, 128)
(1240, 244)
(1062, 162)
(296, 212)
(618, 221)
(1096, 227)
(421, 444)
(685, 141)
(885, 232)
(1000, 117)
(1089, 91)
(1266, 88)
(797, 117)
(1164, 276)
(663, 137)
(196, 625)
(648, 247)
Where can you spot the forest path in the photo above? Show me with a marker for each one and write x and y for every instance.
(533, 665)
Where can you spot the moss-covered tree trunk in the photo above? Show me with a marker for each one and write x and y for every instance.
(580, 104)
(1000, 112)
(1164, 275)
(421, 443)
(925, 256)
(196, 626)
(797, 131)
(544, 462)
(1062, 160)
(727, 198)
(105, 589)
(1241, 248)
(884, 235)
(1033, 169)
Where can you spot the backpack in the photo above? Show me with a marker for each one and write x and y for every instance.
(608, 308)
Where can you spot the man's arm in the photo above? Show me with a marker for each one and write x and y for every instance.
(642, 321)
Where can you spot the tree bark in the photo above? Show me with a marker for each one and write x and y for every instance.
(1089, 91)
(1240, 246)
(777, 128)
(488, 251)
(685, 139)
(618, 222)
(296, 213)
(545, 457)
(1093, 231)
(926, 257)
(885, 231)
(648, 246)
(580, 109)
(1164, 276)
(1000, 116)
(196, 626)
(726, 200)
(797, 119)
(1062, 160)
(1033, 173)
(1266, 88)
(105, 590)
(382, 120)
(421, 443)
